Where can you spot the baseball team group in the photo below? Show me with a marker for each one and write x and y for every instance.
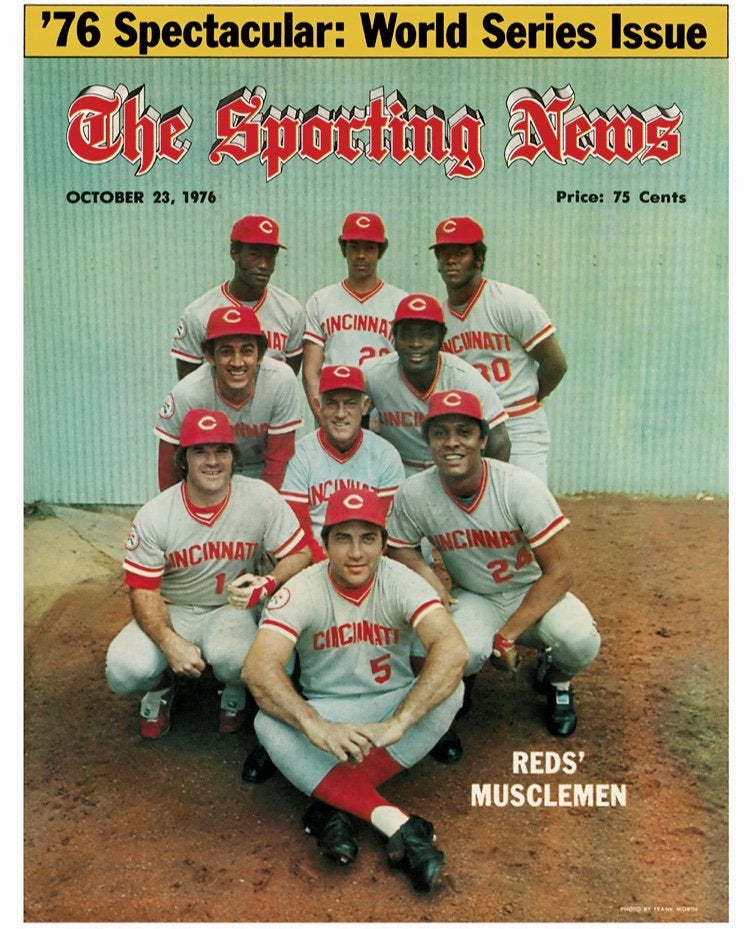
(345, 588)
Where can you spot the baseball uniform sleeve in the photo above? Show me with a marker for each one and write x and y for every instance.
(286, 415)
(296, 331)
(393, 475)
(538, 512)
(145, 559)
(403, 530)
(313, 325)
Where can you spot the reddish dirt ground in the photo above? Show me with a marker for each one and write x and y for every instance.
(122, 830)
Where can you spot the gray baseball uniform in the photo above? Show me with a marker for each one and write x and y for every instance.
(494, 332)
(273, 409)
(402, 408)
(487, 545)
(281, 317)
(353, 648)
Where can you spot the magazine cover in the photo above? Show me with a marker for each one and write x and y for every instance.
(225, 209)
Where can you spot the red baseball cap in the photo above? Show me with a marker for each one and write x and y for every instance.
(458, 230)
(461, 402)
(341, 377)
(364, 227)
(419, 306)
(349, 503)
(232, 320)
(256, 230)
(202, 427)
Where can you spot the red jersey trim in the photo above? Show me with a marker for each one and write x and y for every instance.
(233, 300)
(469, 508)
(340, 457)
(523, 406)
(314, 337)
(355, 595)
(430, 389)
(419, 614)
(284, 427)
(363, 298)
(546, 534)
(206, 516)
(539, 337)
(142, 583)
(297, 541)
(172, 439)
(282, 628)
(467, 309)
(401, 543)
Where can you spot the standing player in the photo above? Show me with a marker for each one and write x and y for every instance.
(258, 394)
(253, 247)
(350, 321)
(339, 454)
(401, 383)
(505, 334)
(184, 549)
(362, 717)
(499, 532)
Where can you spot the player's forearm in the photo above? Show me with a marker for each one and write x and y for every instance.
(152, 614)
(540, 598)
(312, 363)
(291, 565)
(549, 376)
(272, 690)
(439, 677)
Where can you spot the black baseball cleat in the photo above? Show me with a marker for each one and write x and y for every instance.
(448, 748)
(561, 714)
(258, 766)
(412, 850)
(334, 830)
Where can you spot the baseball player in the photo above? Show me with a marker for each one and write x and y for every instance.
(500, 534)
(350, 321)
(185, 548)
(401, 383)
(253, 247)
(361, 716)
(505, 334)
(258, 394)
(339, 454)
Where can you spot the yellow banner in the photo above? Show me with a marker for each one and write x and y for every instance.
(458, 31)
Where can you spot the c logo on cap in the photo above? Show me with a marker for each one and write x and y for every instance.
(353, 502)
(231, 316)
(341, 371)
(449, 225)
(207, 423)
(417, 304)
(452, 399)
(266, 226)
(363, 222)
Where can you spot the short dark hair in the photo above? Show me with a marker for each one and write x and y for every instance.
(484, 429)
(180, 458)
(326, 531)
(443, 327)
(382, 246)
(208, 346)
(478, 250)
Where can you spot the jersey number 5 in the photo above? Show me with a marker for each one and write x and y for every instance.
(381, 670)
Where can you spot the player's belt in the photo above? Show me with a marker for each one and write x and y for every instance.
(523, 406)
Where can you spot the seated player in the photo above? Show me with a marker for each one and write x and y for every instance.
(361, 715)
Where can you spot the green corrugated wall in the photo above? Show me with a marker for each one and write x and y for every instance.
(638, 291)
